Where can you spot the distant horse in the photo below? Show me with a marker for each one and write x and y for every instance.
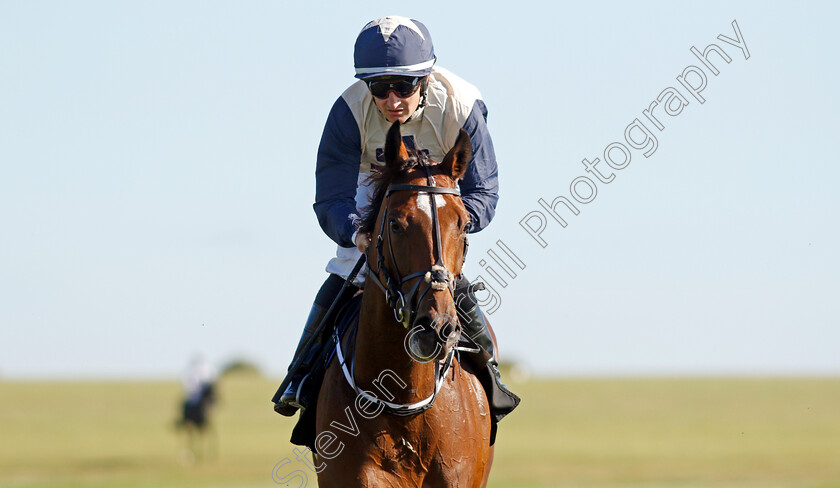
(434, 429)
(195, 421)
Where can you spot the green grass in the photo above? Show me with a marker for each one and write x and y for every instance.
(567, 433)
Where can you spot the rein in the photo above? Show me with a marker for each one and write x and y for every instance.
(438, 277)
(402, 410)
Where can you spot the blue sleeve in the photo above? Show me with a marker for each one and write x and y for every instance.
(337, 174)
(480, 185)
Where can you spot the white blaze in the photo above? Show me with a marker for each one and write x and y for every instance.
(425, 205)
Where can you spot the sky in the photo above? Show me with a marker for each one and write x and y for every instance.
(157, 179)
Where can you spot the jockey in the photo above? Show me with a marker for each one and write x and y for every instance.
(394, 60)
(199, 391)
(197, 379)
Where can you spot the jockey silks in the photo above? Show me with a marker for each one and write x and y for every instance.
(353, 141)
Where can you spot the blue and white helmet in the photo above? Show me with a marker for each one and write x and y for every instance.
(393, 46)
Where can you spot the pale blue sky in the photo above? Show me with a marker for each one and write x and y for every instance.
(157, 163)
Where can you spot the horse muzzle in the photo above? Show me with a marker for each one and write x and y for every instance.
(432, 337)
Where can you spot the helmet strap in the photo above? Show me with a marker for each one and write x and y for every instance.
(424, 88)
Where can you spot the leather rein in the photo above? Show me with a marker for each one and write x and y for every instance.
(404, 306)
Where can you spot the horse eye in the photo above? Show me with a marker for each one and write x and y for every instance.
(395, 226)
(467, 228)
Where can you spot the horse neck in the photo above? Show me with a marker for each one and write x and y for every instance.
(380, 350)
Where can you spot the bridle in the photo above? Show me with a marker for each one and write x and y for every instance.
(438, 277)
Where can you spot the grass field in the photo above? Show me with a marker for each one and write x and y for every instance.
(567, 433)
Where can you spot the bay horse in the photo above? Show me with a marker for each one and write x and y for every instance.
(401, 412)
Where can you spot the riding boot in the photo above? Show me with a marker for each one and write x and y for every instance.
(307, 350)
(316, 332)
(502, 400)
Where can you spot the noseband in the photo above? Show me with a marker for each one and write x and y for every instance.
(438, 277)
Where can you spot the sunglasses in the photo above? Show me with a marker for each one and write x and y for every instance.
(403, 87)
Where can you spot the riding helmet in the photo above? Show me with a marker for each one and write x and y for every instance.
(393, 46)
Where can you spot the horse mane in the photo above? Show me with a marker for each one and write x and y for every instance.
(382, 177)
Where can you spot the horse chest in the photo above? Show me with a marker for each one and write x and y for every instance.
(397, 451)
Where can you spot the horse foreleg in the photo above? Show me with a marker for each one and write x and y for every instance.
(488, 466)
(493, 447)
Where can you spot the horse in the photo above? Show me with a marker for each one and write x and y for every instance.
(408, 414)
(200, 441)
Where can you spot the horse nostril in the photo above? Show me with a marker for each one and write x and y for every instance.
(448, 330)
(422, 343)
(423, 322)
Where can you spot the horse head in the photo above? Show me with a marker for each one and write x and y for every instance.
(419, 227)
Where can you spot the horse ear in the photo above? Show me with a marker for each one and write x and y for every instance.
(395, 152)
(456, 160)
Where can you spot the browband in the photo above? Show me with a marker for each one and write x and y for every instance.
(423, 188)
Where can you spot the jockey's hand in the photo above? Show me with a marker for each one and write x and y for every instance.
(362, 241)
